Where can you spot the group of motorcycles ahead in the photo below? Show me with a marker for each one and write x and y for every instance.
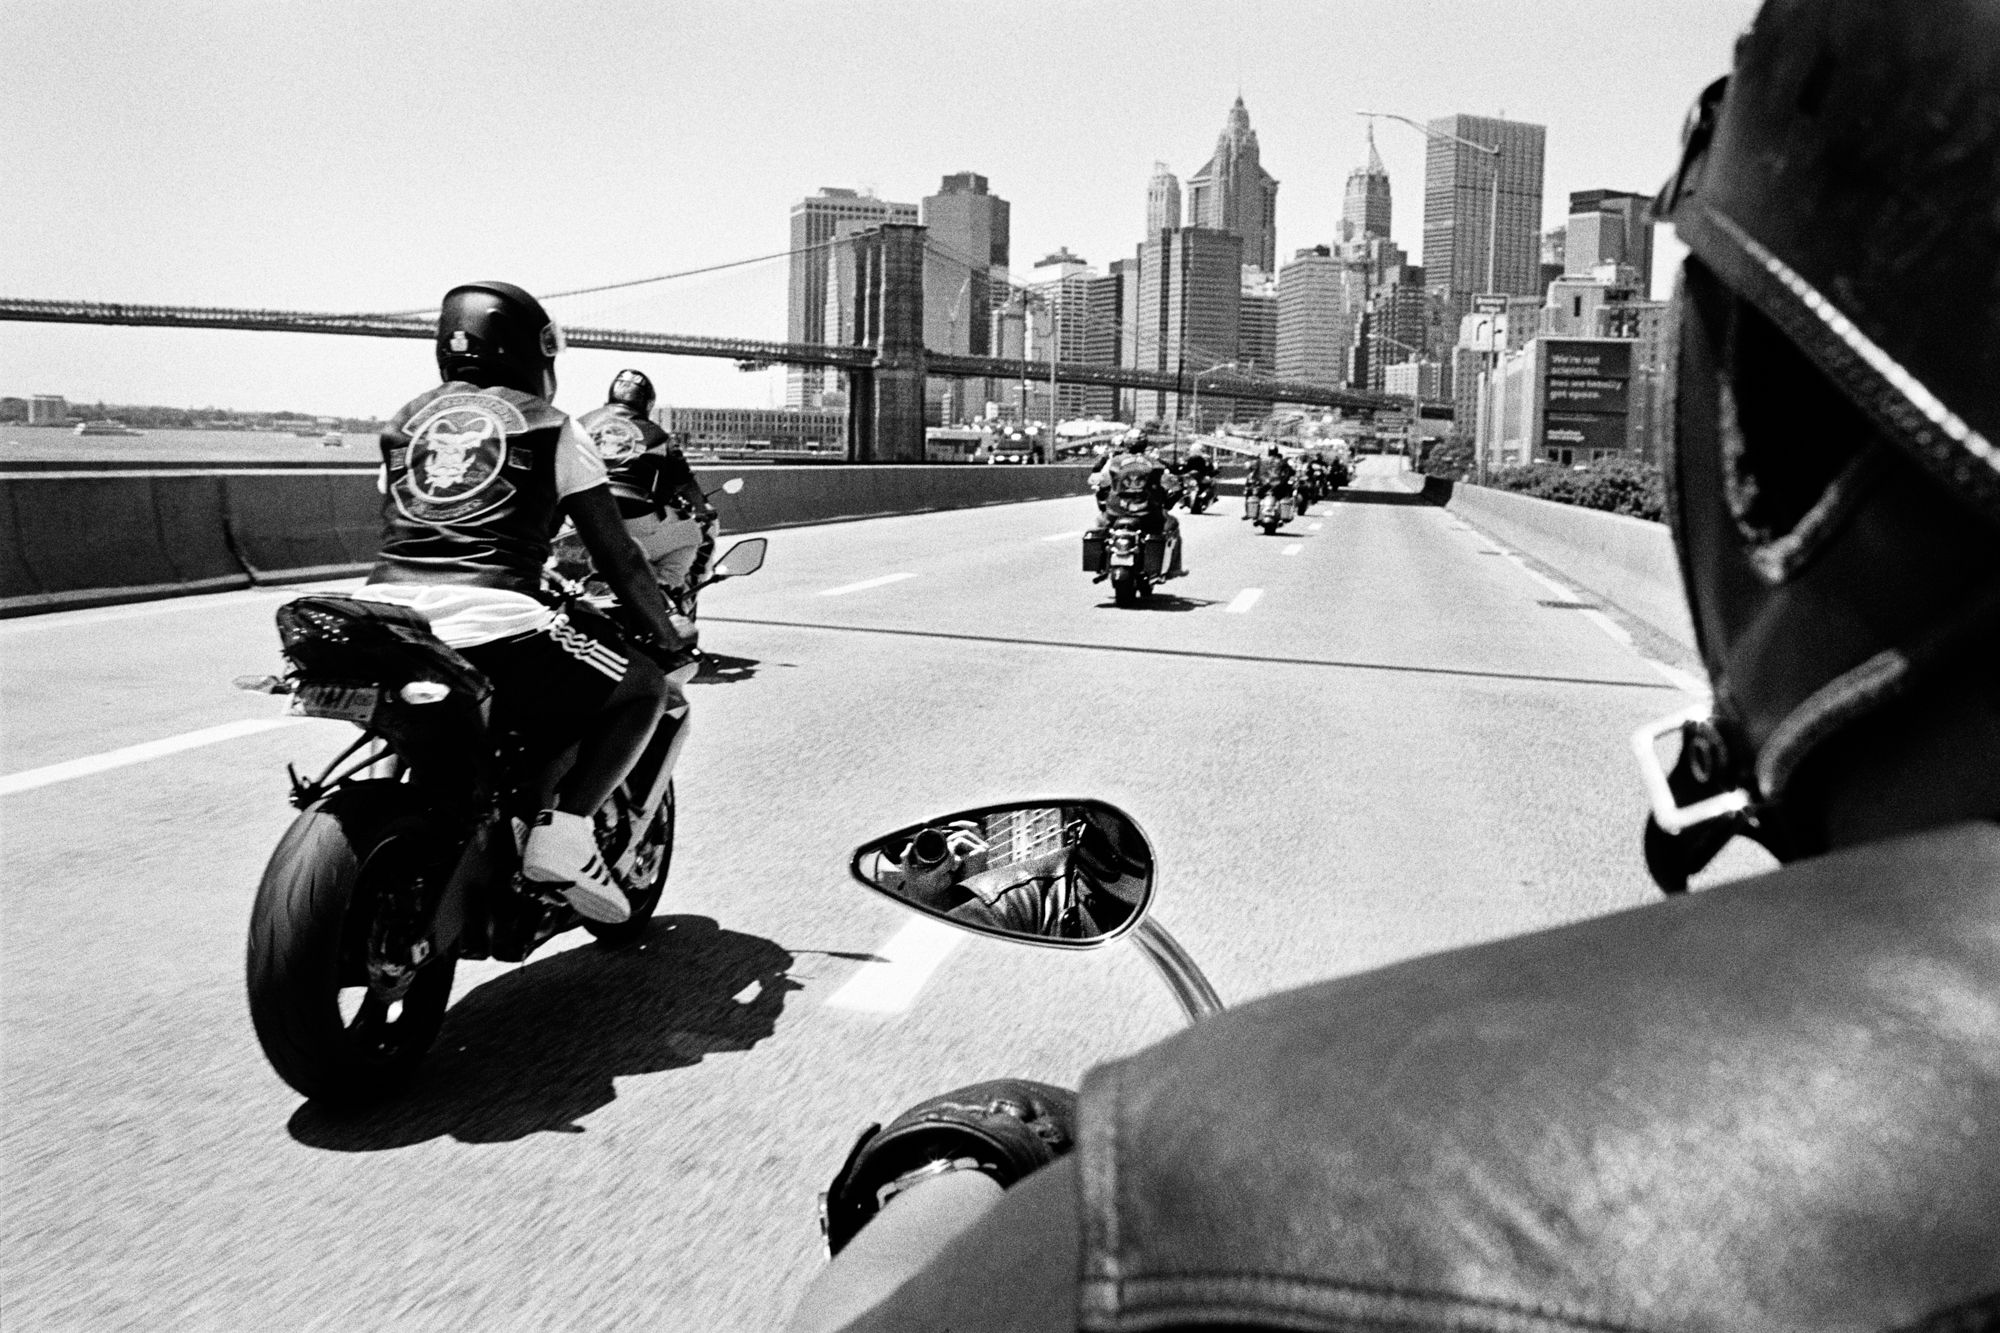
(1137, 543)
(1275, 492)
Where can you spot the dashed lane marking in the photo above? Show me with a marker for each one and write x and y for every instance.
(30, 778)
(1679, 679)
(907, 961)
(1314, 527)
(1244, 600)
(1293, 549)
(864, 585)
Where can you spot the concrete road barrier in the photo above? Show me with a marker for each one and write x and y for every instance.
(94, 538)
(76, 539)
(1629, 562)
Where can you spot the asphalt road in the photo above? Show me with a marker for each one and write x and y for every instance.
(1395, 746)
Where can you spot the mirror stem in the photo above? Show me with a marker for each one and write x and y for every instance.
(1176, 968)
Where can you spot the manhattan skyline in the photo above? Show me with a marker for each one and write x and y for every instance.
(247, 182)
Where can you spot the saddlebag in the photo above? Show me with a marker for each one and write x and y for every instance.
(1156, 556)
(1093, 551)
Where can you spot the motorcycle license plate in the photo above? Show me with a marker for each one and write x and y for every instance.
(1122, 558)
(349, 703)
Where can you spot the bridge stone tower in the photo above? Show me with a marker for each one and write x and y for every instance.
(885, 404)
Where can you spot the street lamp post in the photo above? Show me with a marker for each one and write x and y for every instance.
(1195, 411)
(1416, 398)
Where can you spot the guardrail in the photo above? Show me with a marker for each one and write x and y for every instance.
(96, 538)
(1628, 562)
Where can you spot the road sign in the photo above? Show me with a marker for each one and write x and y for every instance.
(1490, 303)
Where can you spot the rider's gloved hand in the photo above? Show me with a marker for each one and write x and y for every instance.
(1004, 1128)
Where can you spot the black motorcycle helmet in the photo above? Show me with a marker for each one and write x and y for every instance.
(495, 335)
(632, 389)
(1832, 479)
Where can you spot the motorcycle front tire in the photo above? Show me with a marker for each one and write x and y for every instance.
(303, 954)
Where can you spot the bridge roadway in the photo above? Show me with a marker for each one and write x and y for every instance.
(1361, 740)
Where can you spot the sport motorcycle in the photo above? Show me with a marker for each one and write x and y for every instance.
(405, 856)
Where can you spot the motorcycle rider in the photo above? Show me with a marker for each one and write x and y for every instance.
(657, 493)
(1131, 482)
(1764, 1105)
(1270, 473)
(477, 474)
(1082, 889)
(1197, 470)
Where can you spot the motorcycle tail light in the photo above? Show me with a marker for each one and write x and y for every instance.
(424, 692)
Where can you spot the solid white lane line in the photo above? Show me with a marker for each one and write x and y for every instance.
(28, 779)
(1244, 600)
(864, 585)
(1293, 549)
(910, 956)
(1062, 536)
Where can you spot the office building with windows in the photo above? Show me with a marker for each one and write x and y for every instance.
(1317, 310)
(1460, 206)
(966, 245)
(1610, 227)
(816, 222)
(1189, 315)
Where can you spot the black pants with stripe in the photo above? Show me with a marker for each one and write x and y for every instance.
(550, 683)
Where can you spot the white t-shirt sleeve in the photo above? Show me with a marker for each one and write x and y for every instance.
(578, 464)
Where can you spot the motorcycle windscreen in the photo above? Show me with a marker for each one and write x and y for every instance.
(1066, 873)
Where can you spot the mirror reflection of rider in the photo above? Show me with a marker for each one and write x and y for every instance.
(1083, 889)
(1133, 484)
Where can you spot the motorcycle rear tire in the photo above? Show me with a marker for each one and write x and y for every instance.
(1126, 589)
(616, 935)
(297, 965)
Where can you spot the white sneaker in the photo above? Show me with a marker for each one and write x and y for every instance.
(562, 849)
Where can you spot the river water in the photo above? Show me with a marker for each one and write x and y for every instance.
(47, 444)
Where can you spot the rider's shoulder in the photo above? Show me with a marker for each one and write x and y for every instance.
(515, 411)
(1542, 1120)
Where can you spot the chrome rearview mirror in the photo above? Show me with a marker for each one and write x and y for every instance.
(746, 557)
(1068, 873)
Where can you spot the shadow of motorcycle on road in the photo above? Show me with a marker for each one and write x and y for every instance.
(537, 1049)
(1161, 601)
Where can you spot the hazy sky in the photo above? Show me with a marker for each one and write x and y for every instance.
(365, 156)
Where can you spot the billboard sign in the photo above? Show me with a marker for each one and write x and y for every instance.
(1585, 395)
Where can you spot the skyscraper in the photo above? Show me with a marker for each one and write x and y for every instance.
(1458, 204)
(1234, 193)
(965, 272)
(1060, 321)
(817, 220)
(1163, 201)
(1365, 212)
(1316, 317)
(1189, 317)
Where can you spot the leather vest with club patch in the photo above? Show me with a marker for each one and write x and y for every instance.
(636, 454)
(471, 489)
